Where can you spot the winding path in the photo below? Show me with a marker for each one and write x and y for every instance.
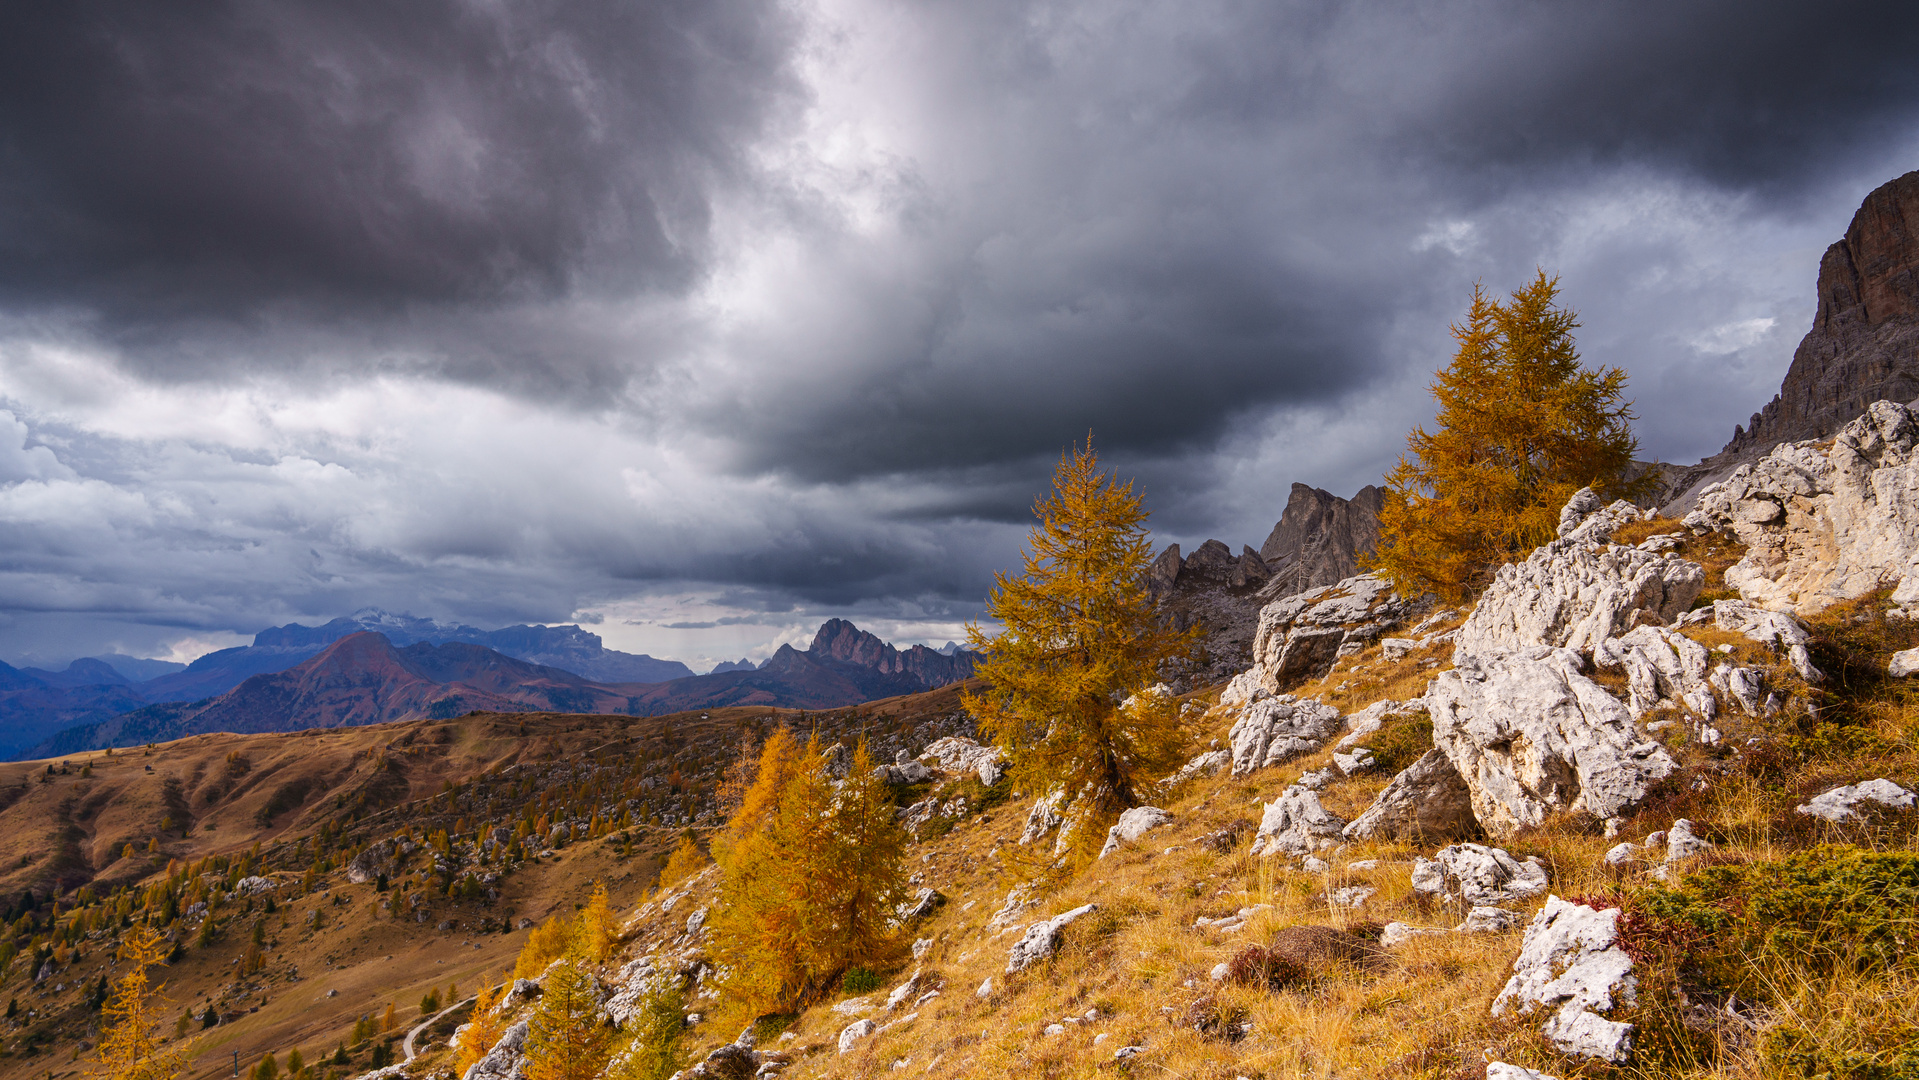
(407, 1046)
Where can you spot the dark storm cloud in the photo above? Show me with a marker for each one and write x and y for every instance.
(177, 168)
(509, 313)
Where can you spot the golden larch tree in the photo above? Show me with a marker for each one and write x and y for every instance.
(809, 871)
(1079, 634)
(484, 1028)
(565, 1039)
(129, 1047)
(1522, 426)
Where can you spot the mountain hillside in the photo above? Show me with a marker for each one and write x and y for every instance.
(277, 829)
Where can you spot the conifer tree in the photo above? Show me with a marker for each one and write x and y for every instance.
(1079, 633)
(484, 1028)
(129, 1047)
(654, 1050)
(809, 870)
(684, 862)
(597, 929)
(1521, 427)
(565, 1039)
(856, 871)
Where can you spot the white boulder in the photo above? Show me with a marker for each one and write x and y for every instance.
(1295, 824)
(1576, 592)
(1276, 729)
(853, 1033)
(1300, 636)
(1825, 524)
(1132, 825)
(1042, 939)
(1499, 1070)
(1427, 800)
(1479, 876)
(1661, 666)
(1570, 964)
(1904, 664)
(1843, 803)
(1531, 736)
(960, 756)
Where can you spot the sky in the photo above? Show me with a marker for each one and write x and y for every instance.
(698, 322)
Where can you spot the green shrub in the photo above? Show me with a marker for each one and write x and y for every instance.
(859, 980)
(1816, 912)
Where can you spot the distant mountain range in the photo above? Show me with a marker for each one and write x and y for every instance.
(365, 677)
(35, 703)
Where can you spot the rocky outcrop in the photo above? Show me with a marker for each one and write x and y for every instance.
(1042, 939)
(1478, 876)
(1849, 803)
(1577, 591)
(1571, 965)
(1321, 538)
(1864, 341)
(1427, 801)
(1775, 628)
(1276, 729)
(1296, 825)
(1825, 524)
(959, 756)
(1218, 592)
(1301, 636)
(1132, 825)
(1662, 667)
(1531, 736)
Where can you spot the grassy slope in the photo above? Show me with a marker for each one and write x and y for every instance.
(1143, 968)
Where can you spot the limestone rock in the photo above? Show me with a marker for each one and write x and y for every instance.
(1478, 876)
(1043, 819)
(1531, 736)
(1428, 800)
(506, 1059)
(1296, 824)
(1823, 525)
(1661, 665)
(1843, 803)
(1775, 628)
(1300, 636)
(1571, 963)
(1242, 690)
(1372, 718)
(852, 1034)
(1132, 825)
(924, 903)
(1745, 685)
(1681, 844)
(1489, 920)
(1576, 592)
(1499, 1070)
(1210, 763)
(1042, 939)
(1397, 933)
(1277, 729)
(1904, 664)
(959, 756)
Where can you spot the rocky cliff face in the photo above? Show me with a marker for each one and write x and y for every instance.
(841, 640)
(1321, 538)
(1864, 342)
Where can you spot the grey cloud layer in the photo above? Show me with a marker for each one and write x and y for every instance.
(805, 299)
